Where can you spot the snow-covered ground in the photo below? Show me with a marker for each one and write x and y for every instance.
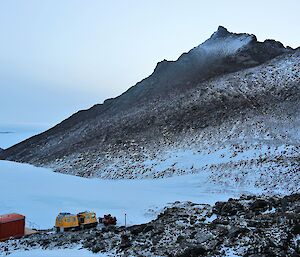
(40, 194)
(56, 253)
(20, 193)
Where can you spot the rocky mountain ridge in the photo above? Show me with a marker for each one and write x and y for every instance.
(228, 107)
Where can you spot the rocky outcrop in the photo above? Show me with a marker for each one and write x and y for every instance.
(248, 226)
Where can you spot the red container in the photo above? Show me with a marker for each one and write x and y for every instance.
(11, 226)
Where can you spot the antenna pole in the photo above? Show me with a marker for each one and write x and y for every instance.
(125, 220)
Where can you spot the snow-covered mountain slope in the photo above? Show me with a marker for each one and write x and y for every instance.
(256, 145)
(229, 107)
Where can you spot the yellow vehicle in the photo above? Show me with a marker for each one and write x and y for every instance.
(87, 219)
(67, 221)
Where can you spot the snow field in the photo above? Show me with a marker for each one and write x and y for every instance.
(41, 194)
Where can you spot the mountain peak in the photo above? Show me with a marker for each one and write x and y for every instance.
(221, 32)
(221, 28)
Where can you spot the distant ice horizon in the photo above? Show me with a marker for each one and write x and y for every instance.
(13, 133)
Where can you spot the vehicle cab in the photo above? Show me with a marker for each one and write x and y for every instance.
(87, 219)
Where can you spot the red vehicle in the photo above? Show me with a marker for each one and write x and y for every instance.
(108, 220)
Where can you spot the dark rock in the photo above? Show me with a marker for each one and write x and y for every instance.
(45, 242)
(136, 229)
(88, 244)
(148, 228)
(220, 221)
(125, 241)
(237, 231)
(231, 207)
(259, 205)
(193, 251)
(296, 229)
(97, 248)
(180, 239)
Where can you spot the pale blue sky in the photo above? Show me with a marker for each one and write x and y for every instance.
(60, 56)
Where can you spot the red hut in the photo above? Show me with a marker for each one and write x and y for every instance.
(11, 226)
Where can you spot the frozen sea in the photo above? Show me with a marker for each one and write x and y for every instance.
(11, 134)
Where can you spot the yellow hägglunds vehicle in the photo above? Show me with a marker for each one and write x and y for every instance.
(67, 221)
(87, 219)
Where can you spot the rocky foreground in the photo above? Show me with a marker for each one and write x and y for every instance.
(249, 226)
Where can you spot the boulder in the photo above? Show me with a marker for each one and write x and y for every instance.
(236, 231)
(232, 207)
(193, 251)
(259, 205)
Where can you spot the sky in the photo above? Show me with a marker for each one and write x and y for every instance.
(61, 56)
